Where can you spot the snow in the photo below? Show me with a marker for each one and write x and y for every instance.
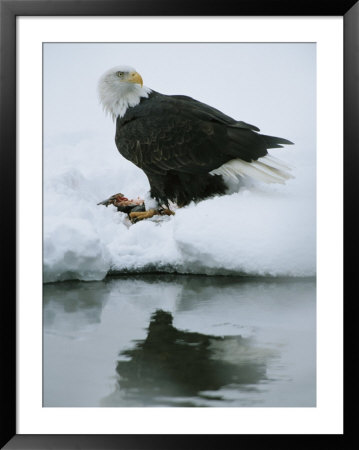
(257, 229)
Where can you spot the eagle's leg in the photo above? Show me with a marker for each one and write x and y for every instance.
(137, 216)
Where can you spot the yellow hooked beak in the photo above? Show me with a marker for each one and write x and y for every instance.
(135, 77)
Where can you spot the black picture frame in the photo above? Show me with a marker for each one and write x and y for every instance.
(9, 10)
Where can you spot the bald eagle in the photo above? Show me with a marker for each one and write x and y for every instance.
(187, 149)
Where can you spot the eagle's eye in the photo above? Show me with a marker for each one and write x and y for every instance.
(120, 74)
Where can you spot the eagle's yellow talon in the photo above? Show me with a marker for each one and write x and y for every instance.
(137, 216)
(166, 212)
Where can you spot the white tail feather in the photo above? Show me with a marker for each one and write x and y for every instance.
(267, 169)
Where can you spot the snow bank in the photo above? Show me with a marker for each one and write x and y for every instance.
(259, 230)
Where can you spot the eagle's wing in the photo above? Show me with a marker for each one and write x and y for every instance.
(177, 133)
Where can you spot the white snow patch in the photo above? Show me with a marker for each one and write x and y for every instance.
(73, 249)
(248, 233)
(260, 230)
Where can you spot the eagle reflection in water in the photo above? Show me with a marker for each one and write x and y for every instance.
(175, 363)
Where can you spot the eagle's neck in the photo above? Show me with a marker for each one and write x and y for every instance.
(117, 99)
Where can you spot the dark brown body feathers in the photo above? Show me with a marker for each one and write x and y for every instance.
(177, 141)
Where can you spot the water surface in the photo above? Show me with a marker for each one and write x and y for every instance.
(174, 340)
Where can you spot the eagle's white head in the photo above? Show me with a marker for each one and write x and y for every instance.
(119, 88)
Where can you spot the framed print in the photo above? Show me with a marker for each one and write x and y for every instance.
(205, 300)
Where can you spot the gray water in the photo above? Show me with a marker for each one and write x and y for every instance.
(172, 340)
